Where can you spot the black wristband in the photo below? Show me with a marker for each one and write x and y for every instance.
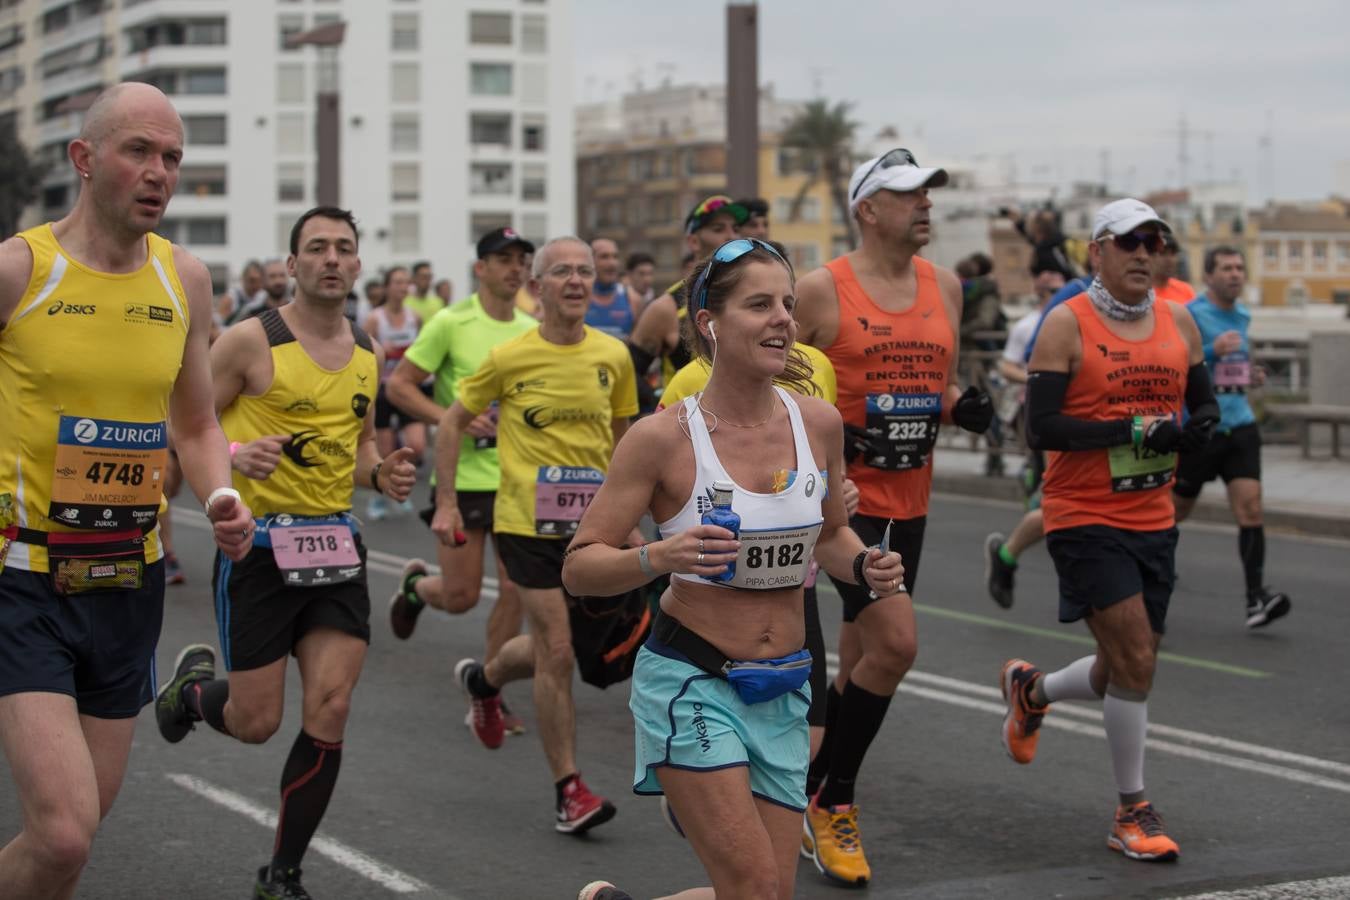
(375, 476)
(858, 568)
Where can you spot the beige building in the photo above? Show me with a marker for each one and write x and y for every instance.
(1302, 253)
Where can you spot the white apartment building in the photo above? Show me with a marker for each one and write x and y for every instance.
(455, 116)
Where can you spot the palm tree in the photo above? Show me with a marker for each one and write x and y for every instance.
(824, 136)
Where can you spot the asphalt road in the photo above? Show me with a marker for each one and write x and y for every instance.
(1249, 757)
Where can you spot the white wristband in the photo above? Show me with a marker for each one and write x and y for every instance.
(222, 492)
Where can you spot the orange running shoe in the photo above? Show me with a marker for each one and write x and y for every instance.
(1021, 726)
(836, 844)
(1138, 833)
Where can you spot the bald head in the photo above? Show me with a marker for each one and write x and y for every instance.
(130, 101)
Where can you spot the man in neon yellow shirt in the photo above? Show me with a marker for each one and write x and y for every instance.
(422, 300)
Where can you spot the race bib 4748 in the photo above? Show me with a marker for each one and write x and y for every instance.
(108, 474)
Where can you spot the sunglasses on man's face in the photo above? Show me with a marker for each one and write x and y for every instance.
(897, 157)
(1152, 242)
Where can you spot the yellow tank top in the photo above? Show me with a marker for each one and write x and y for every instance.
(87, 362)
(321, 409)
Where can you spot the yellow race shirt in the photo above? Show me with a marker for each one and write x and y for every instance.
(694, 378)
(557, 403)
(87, 363)
(323, 410)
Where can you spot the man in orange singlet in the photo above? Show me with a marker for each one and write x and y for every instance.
(888, 320)
(1106, 385)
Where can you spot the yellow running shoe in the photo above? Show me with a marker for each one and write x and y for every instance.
(1138, 833)
(835, 844)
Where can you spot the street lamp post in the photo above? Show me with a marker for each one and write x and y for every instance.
(327, 120)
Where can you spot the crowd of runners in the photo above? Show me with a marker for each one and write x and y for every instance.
(676, 465)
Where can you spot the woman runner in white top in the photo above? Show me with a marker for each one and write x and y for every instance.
(729, 752)
(395, 327)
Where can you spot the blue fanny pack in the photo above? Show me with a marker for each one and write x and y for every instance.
(262, 535)
(754, 680)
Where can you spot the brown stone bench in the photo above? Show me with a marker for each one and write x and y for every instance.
(1305, 415)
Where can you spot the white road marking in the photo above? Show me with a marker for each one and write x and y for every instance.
(957, 692)
(1315, 889)
(385, 876)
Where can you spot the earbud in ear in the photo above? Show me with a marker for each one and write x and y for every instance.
(712, 332)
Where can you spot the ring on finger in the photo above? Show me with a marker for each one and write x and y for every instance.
(699, 559)
(700, 545)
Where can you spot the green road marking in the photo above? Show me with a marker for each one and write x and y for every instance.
(1069, 637)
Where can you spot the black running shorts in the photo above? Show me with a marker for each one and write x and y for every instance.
(97, 647)
(532, 562)
(906, 539)
(1099, 566)
(1228, 455)
(475, 508)
(260, 619)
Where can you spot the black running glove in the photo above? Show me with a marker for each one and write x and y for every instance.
(1162, 436)
(973, 410)
(857, 442)
(1196, 434)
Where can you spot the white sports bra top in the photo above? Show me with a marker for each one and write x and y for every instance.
(778, 531)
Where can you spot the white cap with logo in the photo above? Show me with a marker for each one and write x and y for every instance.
(1124, 216)
(896, 170)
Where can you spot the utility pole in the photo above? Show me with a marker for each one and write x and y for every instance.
(743, 99)
(327, 121)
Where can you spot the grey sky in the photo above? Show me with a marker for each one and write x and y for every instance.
(1051, 83)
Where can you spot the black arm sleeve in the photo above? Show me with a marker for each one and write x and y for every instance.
(1049, 429)
(1200, 400)
(642, 360)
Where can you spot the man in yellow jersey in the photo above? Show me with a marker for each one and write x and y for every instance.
(565, 393)
(103, 333)
(295, 390)
(657, 333)
(452, 346)
(422, 300)
(888, 319)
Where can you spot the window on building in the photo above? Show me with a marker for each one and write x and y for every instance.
(405, 80)
(404, 27)
(405, 232)
(405, 132)
(534, 227)
(285, 222)
(11, 79)
(288, 26)
(533, 182)
(782, 210)
(11, 35)
(532, 136)
(804, 257)
(489, 28)
(490, 79)
(204, 81)
(843, 245)
(202, 181)
(1343, 253)
(534, 33)
(220, 277)
(405, 181)
(1271, 251)
(291, 133)
(810, 211)
(56, 20)
(490, 178)
(83, 55)
(490, 128)
(1319, 253)
(1295, 250)
(290, 82)
(206, 33)
(210, 232)
(534, 84)
(291, 182)
(204, 130)
(480, 223)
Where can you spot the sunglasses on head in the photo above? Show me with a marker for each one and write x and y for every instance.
(897, 157)
(1152, 242)
(728, 252)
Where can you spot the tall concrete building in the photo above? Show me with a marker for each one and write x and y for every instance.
(454, 118)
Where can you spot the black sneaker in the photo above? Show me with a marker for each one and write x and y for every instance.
(196, 662)
(403, 612)
(1265, 606)
(279, 884)
(998, 575)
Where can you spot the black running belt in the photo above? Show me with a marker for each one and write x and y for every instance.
(668, 630)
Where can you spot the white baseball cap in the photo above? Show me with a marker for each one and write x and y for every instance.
(1124, 216)
(895, 170)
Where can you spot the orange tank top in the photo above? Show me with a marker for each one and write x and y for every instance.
(892, 373)
(1122, 487)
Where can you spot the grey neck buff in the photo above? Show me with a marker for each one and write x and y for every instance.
(1112, 308)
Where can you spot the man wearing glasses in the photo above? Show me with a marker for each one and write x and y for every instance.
(565, 393)
(888, 320)
(1106, 386)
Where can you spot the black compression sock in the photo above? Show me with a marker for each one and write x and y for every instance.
(478, 684)
(207, 700)
(860, 716)
(307, 783)
(1252, 549)
(820, 766)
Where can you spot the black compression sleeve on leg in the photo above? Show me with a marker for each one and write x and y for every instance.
(820, 765)
(207, 699)
(307, 783)
(1049, 429)
(1252, 549)
(861, 713)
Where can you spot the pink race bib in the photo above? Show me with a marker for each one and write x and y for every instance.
(561, 495)
(310, 555)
